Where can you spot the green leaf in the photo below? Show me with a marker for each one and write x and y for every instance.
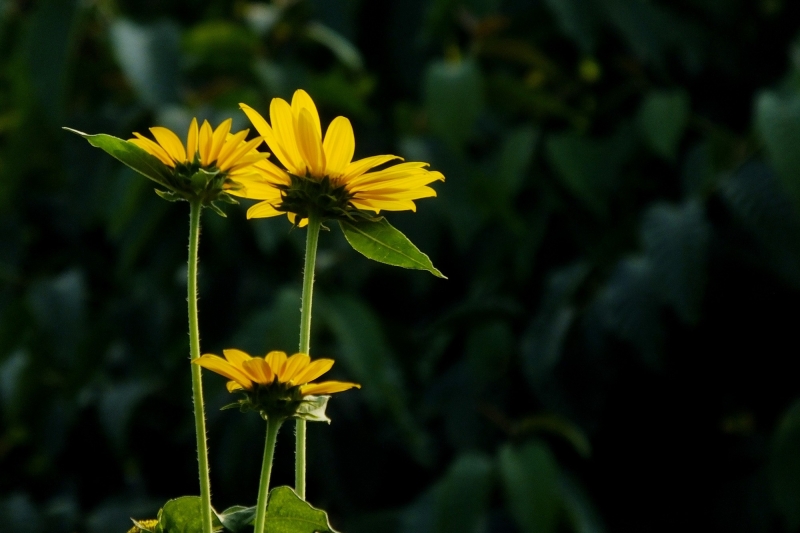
(381, 242)
(461, 499)
(181, 515)
(288, 513)
(453, 99)
(784, 466)
(530, 475)
(662, 118)
(336, 43)
(131, 155)
(778, 122)
(237, 518)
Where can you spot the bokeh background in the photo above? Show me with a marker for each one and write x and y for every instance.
(614, 349)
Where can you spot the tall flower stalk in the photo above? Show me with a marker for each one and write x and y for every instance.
(195, 209)
(312, 238)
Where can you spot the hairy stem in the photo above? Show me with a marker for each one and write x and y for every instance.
(305, 344)
(266, 471)
(197, 379)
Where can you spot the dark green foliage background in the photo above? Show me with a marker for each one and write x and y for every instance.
(613, 350)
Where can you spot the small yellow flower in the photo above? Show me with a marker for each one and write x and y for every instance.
(274, 384)
(210, 164)
(319, 173)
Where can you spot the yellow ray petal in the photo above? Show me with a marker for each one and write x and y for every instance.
(233, 386)
(276, 359)
(301, 100)
(293, 219)
(394, 172)
(398, 194)
(388, 205)
(204, 143)
(218, 139)
(356, 168)
(339, 146)
(263, 210)
(327, 387)
(171, 143)
(221, 366)
(191, 141)
(280, 115)
(152, 148)
(264, 129)
(256, 188)
(231, 144)
(296, 364)
(236, 357)
(310, 144)
(243, 154)
(407, 183)
(314, 370)
(258, 370)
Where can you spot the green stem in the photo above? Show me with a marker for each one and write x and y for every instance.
(266, 471)
(312, 238)
(197, 383)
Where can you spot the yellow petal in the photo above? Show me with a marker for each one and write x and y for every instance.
(276, 359)
(398, 194)
(293, 219)
(236, 357)
(243, 154)
(314, 370)
(218, 139)
(256, 188)
(280, 115)
(204, 143)
(191, 141)
(152, 148)
(388, 205)
(339, 146)
(258, 370)
(301, 100)
(263, 210)
(356, 168)
(294, 365)
(224, 368)
(327, 387)
(395, 172)
(171, 143)
(309, 143)
(264, 129)
(233, 386)
(232, 143)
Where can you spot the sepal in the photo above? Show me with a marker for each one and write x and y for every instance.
(312, 409)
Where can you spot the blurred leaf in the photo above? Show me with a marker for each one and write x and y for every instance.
(237, 518)
(262, 17)
(577, 20)
(544, 338)
(181, 515)
(381, 242)
(629, 306)
(784, 466)
(346, 93)
(698, 176)
(662, 118)
(363, 350)
(589, 168)
(131, 155)
(150, 58)
(341, 47)
(556, 425)
(12, 387)
(676, 244)
(59, 306)
(18, 514)
(754, 195)
(642, 25)
(220, 45)
(581, 513)
(488, 349)
(288, 513)
(453, 95)
(461, 498)
(313, 409)
(530, 475)
(117, 405)
(50, 41)
(778, 121)
(513, 163)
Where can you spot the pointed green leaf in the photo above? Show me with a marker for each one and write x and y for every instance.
(182, 515)
(237, 518)
(288, 513)
(381, 242)
(530, 475)
(129, 154)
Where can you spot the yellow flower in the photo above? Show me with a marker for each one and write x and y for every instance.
(319, 173)
(274, 384)
(210, 164)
